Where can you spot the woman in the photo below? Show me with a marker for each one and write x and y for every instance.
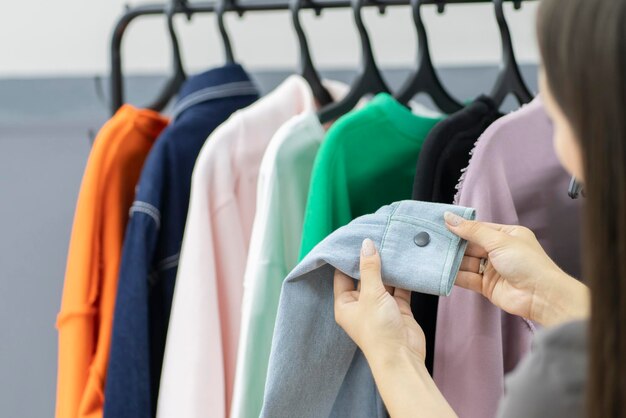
(583, 85)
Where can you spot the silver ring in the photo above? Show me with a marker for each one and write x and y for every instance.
(483, 265)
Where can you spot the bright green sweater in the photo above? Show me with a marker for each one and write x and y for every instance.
(366, 161)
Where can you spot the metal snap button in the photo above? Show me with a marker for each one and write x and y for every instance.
(422, 239)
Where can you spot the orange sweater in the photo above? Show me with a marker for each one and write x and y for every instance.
(86, 318)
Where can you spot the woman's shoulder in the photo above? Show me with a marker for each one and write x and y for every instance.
(550, 381)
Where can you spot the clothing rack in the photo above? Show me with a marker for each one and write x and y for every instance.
(240, 7)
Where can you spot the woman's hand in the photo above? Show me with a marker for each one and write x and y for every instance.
(519, 277)
(379, 320)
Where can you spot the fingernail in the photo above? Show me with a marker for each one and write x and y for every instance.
(452, 218)
(368, 248)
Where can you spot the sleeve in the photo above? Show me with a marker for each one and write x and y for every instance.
(128, 391)
(76, 320)
(311, 356)
(549, 382)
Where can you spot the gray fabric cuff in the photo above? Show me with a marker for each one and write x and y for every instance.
(417, 251)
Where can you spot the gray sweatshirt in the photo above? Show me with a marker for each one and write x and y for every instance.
(550, 381)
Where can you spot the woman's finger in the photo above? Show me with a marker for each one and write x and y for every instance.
(389, 289)
(487, 236)
(470, 264)
(475, 250)
(342, 284)
(470, 281)
(403, 294)
(371, 280)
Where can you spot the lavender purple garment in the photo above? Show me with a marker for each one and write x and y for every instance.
(514, 177)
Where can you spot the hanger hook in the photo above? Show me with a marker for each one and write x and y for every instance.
(369, 81)
(510, 79)
(507, 44)
(307, 69)
(305, 57)
(170, 13)
(173, 84)
(220, 9)
(425, 78)
(366, 45)
(422, 37)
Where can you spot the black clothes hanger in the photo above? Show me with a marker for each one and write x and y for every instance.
(307, 69)
(510, 79)
(175, 82)
(220, 8)
(425, 79)
(369, 81)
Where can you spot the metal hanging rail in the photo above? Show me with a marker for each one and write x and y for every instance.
(240, 7)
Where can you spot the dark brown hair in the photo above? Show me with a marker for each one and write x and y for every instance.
(583, 47)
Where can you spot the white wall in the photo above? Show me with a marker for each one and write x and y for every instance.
(71, 37)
